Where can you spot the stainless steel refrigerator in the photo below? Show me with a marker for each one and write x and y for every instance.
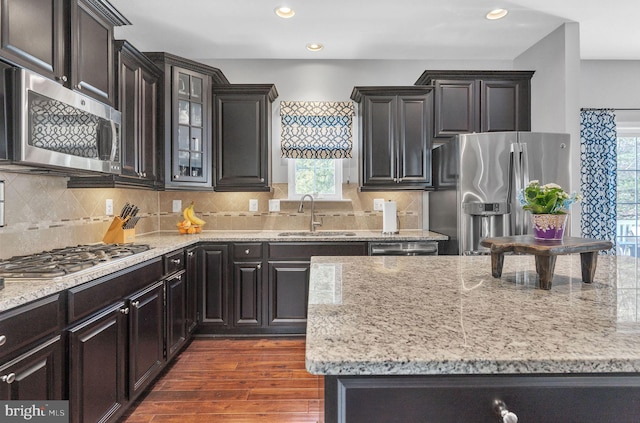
(477, 178)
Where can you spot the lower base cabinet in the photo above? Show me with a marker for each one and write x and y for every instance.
(97, 366)
(34, 375)
(176, 292)
(579, 398)
(267, 289)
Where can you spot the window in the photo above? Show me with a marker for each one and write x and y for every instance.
(628, 172)
(320, 177)
(315, 136)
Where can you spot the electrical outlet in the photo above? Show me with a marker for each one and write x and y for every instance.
(274, 205)
(378, 203)
(108, 208)
(176, 206)
(253, 204)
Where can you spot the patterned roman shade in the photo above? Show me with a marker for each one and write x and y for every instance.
(316, 129)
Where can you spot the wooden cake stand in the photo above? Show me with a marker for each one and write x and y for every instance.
(545, 253)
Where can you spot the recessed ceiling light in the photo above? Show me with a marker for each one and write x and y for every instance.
(314, 47)
(285, 12)
(497, 14)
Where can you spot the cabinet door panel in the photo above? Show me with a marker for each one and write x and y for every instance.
(288, 293)
(504, 106)
(456, 108)
(38, 374)
(215, 298)
(92, 49)
(192, 289)
(176, 316)
(148, 125)
(379, 140)
(240, 155)
(97, 366)
(128, 105)
(32, 35)
(247, 293)
(414, 124)
(146, 337)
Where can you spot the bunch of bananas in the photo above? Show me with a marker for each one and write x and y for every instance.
(191, 224)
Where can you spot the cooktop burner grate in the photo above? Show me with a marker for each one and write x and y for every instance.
(64, 261)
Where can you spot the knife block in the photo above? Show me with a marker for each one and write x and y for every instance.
(117, 235)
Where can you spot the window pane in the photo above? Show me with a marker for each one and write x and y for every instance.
(626, 189)
(626, 153)
(315, 176)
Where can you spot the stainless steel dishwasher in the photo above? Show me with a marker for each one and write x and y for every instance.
(403, 248)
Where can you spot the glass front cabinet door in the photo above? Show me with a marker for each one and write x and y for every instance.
(190, 152)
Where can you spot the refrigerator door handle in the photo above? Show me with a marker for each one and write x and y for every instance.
(516, 151)
(524, 166)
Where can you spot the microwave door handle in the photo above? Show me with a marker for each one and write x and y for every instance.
(113, 135)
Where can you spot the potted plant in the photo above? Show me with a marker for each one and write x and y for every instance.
(549, 206)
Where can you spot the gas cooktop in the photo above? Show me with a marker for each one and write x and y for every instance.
(64, 261)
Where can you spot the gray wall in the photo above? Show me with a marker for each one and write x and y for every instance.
(610, 84)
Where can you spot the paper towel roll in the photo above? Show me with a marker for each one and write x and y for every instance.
(390, 217)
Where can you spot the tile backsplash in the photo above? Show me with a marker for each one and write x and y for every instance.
(42, 213)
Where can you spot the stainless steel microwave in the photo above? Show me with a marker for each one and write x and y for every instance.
(52, 127)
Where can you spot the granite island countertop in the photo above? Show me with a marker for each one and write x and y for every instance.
(19, 292)
(447, 315)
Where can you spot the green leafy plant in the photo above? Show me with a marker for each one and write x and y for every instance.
(546, 199)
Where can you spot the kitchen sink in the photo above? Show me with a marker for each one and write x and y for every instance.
(320, 233)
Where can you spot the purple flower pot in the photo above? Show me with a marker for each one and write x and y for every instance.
(548, 226)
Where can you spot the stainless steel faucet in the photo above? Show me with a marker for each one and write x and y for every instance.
(313, 224)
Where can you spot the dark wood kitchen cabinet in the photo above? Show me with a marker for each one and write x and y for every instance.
(267, 289)
(242, 136)
(184, 126)
(68, 41)
(33, 35)
(479, 101)
(215, 292)
(32, 351)
(192, 275)
(137, 98)
(146, 338)
(395, 137)
(100, 333)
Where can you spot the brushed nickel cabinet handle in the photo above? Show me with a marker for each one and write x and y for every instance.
(3, 339)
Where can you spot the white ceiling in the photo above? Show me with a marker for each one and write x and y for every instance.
(375, 29)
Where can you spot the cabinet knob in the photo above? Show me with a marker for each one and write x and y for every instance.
(190, 254)
(176, 176)
(8, 378)
(259, 266)
(62, 78)
(124, 310)
(501, 409)
(144, 174)
(135, 304)
(78, 87)
(261, 179)
(247, 251)
(3, 339)
(175, 261)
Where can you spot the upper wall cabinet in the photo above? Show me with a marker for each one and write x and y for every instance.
(479, 101)
(137, 81)
(35, 36)
(395, 137)
(184, 110)
(242, 136)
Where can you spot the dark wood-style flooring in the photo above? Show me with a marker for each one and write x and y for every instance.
(234, 380)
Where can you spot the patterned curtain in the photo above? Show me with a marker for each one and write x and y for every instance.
(598, 158)
(316, 129)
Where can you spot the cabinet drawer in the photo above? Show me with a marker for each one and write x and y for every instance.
(90, 297)
(247, 251)
(173, 262)
(304, 250)
(470, 398)
(23, 325)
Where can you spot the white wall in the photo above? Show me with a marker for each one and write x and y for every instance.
(611, 84)
(555, 87)
(331, 80)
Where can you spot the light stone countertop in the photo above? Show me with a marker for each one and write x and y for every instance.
(448, 315)
(19, 292)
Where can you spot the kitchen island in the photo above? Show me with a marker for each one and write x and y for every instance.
(438, 339)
